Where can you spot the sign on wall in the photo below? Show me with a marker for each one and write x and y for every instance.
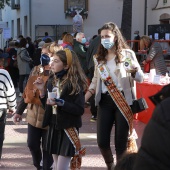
(7, 33)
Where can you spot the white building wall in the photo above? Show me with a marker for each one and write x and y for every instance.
(138, 8)
(51, 12)
(99, 12)
(153, 16)
(8, 15)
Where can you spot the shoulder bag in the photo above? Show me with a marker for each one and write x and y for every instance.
(138, 105)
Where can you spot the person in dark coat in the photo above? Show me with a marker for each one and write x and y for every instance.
(135, 47)
(154, 152)
(30, 47)
(80, 49)
(92, 50)
(13, 67)
(37, 53)
(64, 110)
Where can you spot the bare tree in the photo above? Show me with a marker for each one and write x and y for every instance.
(126, 24)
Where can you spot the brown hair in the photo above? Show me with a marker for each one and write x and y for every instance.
(119, 44)
(75, 75)
(145, 39)
(68, 38)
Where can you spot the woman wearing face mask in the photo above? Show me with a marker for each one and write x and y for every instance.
(109, 68)
(30, 47)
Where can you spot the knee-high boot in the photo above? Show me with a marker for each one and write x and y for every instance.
(108, 158)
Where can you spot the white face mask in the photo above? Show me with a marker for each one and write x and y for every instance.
(27, 45)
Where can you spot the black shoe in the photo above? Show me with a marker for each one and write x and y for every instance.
(93, 118)
(40, 168)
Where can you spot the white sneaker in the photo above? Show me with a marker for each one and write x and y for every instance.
(20, 94)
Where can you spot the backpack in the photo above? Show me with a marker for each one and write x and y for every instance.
(31, 93)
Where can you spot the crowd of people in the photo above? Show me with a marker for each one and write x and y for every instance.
(56, 79)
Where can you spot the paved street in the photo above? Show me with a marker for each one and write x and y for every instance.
(16, 155)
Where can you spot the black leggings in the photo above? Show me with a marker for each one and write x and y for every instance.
(36, 136)
(2, 128)
(108, 113)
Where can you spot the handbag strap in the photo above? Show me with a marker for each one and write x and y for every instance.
(116, 95)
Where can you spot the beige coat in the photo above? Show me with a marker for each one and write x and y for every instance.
(35, 115)
(124, 77)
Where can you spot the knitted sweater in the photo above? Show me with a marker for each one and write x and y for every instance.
(7, 91)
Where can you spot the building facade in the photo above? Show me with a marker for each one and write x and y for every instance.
(33, 18)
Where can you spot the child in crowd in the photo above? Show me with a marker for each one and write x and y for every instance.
(64, 111)
(35, 114)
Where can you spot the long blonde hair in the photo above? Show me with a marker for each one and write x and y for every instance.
(145, 39)
(75, 74)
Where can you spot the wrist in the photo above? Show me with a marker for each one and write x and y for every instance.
(90, 91)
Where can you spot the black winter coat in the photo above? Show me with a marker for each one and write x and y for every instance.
(68, 115)
(154, 153)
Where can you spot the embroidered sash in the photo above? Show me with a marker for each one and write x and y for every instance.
(116, 95)
(74, 138)
(79, 151)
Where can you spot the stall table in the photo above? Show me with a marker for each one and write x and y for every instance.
(146, 90)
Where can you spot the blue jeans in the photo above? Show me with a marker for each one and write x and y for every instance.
(108, 114)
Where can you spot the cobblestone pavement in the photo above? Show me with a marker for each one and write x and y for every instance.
(16, 155)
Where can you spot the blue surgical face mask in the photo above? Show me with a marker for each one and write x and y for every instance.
(83, 41)
(107, 43)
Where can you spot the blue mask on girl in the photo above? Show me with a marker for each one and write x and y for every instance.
(107, 43)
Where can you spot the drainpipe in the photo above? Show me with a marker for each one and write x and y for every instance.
(30, 17)
(145, 17)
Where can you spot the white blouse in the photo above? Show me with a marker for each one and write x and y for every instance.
(111, 65)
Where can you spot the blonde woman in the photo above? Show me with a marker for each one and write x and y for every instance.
(154, 55)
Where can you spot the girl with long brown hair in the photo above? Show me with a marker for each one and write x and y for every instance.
(64, 111)
(111, 76)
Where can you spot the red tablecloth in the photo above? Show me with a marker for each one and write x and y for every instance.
(147, 90)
